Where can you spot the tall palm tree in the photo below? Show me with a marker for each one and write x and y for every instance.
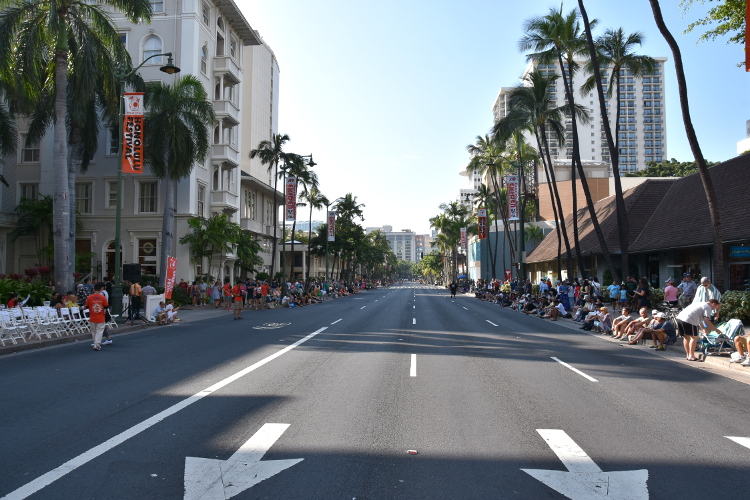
(271, 153)
(700, 161)
(315, 200)
(557, 37)
(178, 118)
(306, 179)
(614, 50)
(52, 32)
(485, 198)
(530, 109)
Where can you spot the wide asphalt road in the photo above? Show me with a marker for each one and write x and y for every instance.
(399, 393)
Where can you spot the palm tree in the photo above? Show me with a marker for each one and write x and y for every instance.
(306, 179)
(535, 234)
(614, 50)
(529, 109)
(51, 32)
(271, 153)
(35, 219)
(178, 118)
(556, 37)
(486, 199)
(700, 161)
(315, 200)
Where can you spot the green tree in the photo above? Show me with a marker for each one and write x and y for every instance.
(708, 186)
(36, 31)
(246, 249)
(178, 118)
(486, 199)
(306, 180)
(728, 17)
(35, 219)
(315, 200)
(529, 109)
(271, 153)
(670, 168)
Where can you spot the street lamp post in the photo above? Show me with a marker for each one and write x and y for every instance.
(284, 288)
(170, 69)
(521, 257)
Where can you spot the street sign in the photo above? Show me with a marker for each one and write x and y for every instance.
(584, 479)
(209, 479)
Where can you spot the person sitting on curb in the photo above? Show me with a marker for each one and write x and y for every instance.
(172, 312)
(587, 307)
(604, 323)
(741, 344)
(637, 324)
(557, 310)
(619, 324)
(160, 313)
(659, 329)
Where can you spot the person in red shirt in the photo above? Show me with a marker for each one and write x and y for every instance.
(237, 300)
(13, 302)
(264, 295)
(96, 303)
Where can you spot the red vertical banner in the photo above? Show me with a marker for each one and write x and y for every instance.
(171, 276)
(482, 223)
(132, 134)
(291, 198)
(331, 226)
(511, 181)
(463, 239)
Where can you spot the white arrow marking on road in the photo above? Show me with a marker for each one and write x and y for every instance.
(740, 440)
(584, 479)
(208, 478)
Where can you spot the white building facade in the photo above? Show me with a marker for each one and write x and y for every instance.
(642, 127)
(212, 41)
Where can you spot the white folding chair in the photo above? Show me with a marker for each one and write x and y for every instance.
(67, 321)
(55, 323)
(82, 321)
(37, 326)
(9, 332)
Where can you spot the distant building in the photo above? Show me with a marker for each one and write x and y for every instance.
(744, 144)
(642, 127)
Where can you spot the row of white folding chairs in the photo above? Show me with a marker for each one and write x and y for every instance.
(28, 323)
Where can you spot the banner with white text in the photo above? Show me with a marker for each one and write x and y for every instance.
(482, 223)
(511, 182)
(132, 134)
(331, 226)
(291, 198)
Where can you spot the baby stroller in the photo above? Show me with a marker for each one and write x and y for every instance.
(714, 344)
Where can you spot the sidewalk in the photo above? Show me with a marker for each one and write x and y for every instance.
(187, 314)
(676, 353)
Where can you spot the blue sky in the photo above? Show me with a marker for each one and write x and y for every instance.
(387, 94)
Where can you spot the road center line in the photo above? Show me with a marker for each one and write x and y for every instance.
(413, 370)
(362, 307)
(579, 372)
(414, 321)
(336, 321)
(45, 480)
(466, 308)
(490, 322)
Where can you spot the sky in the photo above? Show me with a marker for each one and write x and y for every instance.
(387, 95)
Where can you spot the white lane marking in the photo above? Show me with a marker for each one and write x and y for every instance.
(414, 321)
(584, 480)
(466, 308)
(362, 307)
(413, 370)
(744, 441)
(376, 300)
(45, 480)
(336, 321)
(211, 479)
(490, 322)
(579, 372)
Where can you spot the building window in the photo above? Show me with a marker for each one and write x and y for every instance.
(29, 153)
(147, 197)
(157, 6)
(151, 47)
(201, 200)
(113, 140)
(29, 191)
(147, 255)
(124, 39)
(83, 198)
(233, 47)
(249, 205)
(204, 60)
(111, 194)
(206, 15)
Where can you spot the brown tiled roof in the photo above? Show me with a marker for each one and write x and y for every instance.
(665, 213)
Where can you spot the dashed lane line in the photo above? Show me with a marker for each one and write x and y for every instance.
(413, 369)
(337, 321)
(490, 322)
(579, 372)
